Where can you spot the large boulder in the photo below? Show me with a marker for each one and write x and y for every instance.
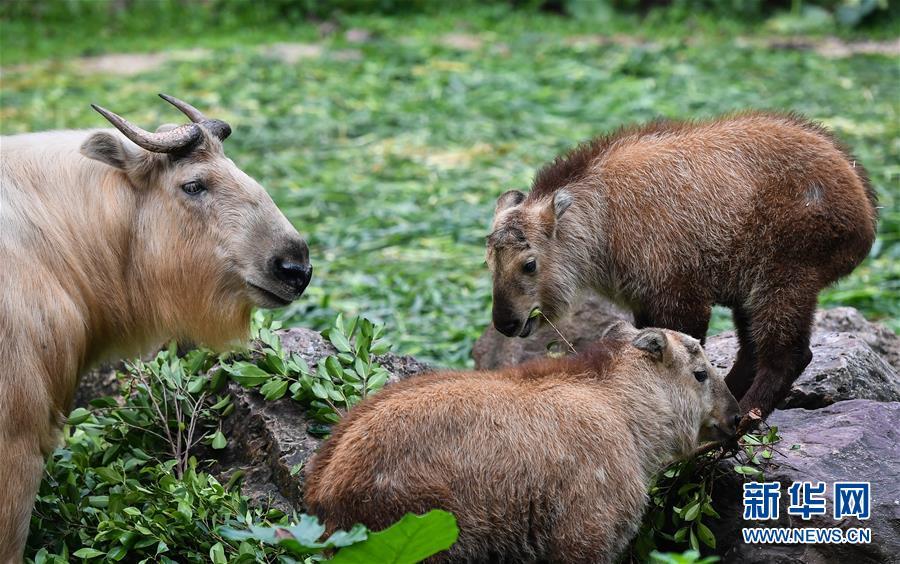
(849, 320)
(269, 442)
(855, 440)
(843, 367)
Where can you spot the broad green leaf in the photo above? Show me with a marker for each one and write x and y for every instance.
(319, 390)
(411, 539)
(247, 374)
(691, 512)
(87, 553)
(333, 367)
(78, 415)
(706, 536)
(217, 554)
(219, 441)
(339, 341)
(274, 389)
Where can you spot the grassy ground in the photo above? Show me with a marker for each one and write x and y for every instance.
(388, 153)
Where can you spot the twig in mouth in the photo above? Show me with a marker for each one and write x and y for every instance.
(561, 336)
(731, 445)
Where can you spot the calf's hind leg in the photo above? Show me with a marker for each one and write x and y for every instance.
(780, 327)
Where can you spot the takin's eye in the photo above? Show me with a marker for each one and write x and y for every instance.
(529, 267)
(701, 375)
(193, 188)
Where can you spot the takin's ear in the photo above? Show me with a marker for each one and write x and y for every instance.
(653, 342)
(110, 149)
(555, 209)
(509, 199)
(619, 329)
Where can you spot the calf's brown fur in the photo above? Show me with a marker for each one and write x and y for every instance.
(110, 243)
(547, 461)
(756, 211)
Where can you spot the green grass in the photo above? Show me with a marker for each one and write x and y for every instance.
(389, 157)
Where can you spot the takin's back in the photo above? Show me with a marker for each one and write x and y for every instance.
(480, 430)
(695, 194)
(542, 459)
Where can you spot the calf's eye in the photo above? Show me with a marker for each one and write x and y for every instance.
(529, 267)
(701, 375)
(193, 187)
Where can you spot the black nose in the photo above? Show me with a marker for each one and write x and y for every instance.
(507, 326)
(292, 267)
(736, 420)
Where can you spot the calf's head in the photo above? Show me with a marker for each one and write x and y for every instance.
(205, 236)
(679, 368)
(529, 270)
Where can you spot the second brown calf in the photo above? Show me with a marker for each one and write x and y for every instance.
(756, 211)
(547, 461)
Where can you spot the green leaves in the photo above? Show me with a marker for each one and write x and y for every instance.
(408, 541)
(690, 557)
(680, 499)
(247, 374)
(87, 553)
(219, 441)
(338, 382)
(79, 415)
(300, 539)
(274, 389)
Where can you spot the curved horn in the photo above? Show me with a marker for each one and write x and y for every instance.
(215, 126)
(187, 109)
(177, 139)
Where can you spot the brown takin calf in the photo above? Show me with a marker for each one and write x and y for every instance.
(111, 242)
(546, 461)
(756, 211)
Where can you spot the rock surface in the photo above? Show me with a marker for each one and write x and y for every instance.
(843, 367)
(851, 440)
(849, 320)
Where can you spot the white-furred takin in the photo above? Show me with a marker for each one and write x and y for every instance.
(548, 461)
(112, 242)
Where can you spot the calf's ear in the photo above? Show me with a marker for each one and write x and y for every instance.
(110, 149)
(561, 202)
(653, 342)
(554, 209)
(509, 199)
(619, 329)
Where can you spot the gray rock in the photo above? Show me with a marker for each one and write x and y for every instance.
(849, 320)
(98, 382)
(851, 440)
(585, 325)
(270, 442)
(843, 367)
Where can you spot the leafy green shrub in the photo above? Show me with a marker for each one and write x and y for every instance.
(411, 539)
(339, 381)
(681, 497)
(127, 484)
(689, 557)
